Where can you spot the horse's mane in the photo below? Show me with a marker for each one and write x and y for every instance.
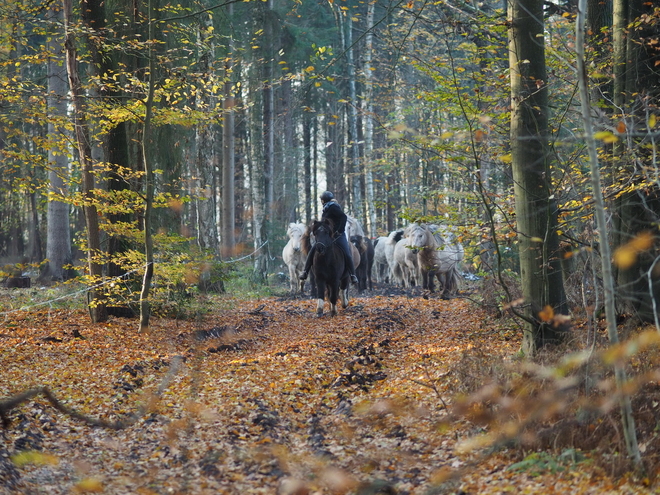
(359, 243)
(307, 240)
(295, 227)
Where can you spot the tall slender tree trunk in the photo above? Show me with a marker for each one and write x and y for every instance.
(264, 210)
(627, 419)
(145, 307)
(354, 169)
(290, 165)
(369, 122)
(536, 212)
(207, 225)
(58, 236)
(98, 310)
(307, 163)
(228, 152)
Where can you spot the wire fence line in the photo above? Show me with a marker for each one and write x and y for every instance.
(113, 280)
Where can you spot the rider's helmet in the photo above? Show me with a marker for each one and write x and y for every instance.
(327, 196)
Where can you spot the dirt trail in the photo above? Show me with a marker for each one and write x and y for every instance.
(268, 397)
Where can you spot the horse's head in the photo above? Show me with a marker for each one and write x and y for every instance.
(295, 233)
(324, 234)
(420, 237)
(359, 242)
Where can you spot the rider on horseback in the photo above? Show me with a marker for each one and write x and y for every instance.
(333, 212)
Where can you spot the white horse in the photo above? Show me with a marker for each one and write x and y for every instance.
(380, 268)
(390, 244)
(405, 269)
(353, 228)
(293, 256)
(439, 255)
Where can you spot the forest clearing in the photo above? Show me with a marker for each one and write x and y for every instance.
(260, 396)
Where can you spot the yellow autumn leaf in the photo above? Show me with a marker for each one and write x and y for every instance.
(652, 121)
(606, 137)
(88, 485)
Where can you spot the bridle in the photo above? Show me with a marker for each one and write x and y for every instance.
(329, 232)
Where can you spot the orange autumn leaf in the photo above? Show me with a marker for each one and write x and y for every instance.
(625, 256)
(546, 314)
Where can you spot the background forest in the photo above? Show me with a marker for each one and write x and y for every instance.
(142, 134)
(150, 149)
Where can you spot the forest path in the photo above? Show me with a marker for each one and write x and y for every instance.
(267, 398)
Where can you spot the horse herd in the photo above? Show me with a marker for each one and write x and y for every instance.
(414, 256)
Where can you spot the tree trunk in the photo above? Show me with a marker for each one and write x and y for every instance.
(290, 165)
(629, 433)
(207, 225)
(307, 163)
(353, 168)
(228, 155)
(145, 309)
(536, 212)
(115, 146)
(263, 211)
(636, 93)
(369, 123)
(58, 237)
(97, 307)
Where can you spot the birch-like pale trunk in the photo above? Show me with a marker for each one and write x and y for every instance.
(58, 237)
(263, 211)
(369, 121)
(228, 154)
(354, 151)
(630, 435)
(206, 157)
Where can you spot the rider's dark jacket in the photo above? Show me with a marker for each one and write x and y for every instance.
(333, 212)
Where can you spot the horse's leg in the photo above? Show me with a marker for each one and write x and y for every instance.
(343, 295)
(431, 280)
(333, 290)
(344, 285)
(320, 295)
(292, 278)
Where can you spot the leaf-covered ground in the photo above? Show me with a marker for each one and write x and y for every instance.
(263, 397)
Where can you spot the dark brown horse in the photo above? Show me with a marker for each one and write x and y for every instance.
(365, 247)
(329, 268)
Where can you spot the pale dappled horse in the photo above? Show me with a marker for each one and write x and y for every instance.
(352, 228)
(439, 255)
(381, 268)
(293, 256)
(405, 270)
(390, 245)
